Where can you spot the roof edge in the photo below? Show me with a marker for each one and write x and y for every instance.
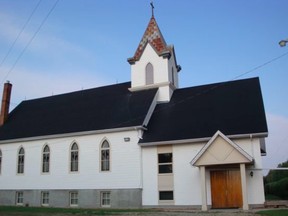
(204, 139)
(151, 109)
(83, 133)
(151, 86)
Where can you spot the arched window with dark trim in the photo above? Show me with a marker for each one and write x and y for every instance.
(46, 159)
(20, 161)
(149, 73)
(74, 157)
(105, 156)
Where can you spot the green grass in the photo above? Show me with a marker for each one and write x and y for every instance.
(51, 211)
(278, 212)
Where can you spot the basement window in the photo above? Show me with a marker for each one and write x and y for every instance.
(166, 195)
(45, 198)
(74, 198)
(105, 199)
(19, 198)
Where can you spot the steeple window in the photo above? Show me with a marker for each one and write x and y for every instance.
(149, 74)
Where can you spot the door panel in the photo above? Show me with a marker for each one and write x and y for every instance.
(234, 196)
(218, 189)
(226, 189)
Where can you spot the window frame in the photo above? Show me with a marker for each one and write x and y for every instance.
(21, 161)
(71, 194)
(105, 199)
(74, 155)
(104, 162)
(45, 164)
(166, 163)
(43, 198)
(166, 191)
(19, 196)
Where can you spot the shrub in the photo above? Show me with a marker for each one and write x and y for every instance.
(278, 188)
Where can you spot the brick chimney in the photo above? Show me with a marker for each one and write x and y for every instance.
(5, 102)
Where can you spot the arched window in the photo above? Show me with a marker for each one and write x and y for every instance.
(105, 156)
(149, 73)
(46, 159)
(20, 163)
(74, 156)
(0, 160)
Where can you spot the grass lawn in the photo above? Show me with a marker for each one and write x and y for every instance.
(278, 212)
(47, 211)
(50, 211)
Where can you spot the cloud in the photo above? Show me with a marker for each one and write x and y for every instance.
(277, 141)
(10, 28)
(46, 44)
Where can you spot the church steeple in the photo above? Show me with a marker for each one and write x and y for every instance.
(154, 63)
(154, 37)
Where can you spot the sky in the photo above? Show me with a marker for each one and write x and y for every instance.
(50, 47)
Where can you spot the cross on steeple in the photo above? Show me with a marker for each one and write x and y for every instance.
(152, 7)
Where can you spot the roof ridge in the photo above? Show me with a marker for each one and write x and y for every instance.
(76, 91)
(219, 83)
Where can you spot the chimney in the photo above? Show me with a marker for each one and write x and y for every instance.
(5, 102)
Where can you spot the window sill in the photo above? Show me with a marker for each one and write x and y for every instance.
(45, 205)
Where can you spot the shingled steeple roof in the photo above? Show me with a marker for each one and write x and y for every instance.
(154, 37)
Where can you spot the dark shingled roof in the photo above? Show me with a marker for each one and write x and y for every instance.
(87, 110)
(234, 108)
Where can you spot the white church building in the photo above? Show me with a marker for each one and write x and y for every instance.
(144, 143)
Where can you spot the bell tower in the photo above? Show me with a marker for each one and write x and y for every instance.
(154, 63)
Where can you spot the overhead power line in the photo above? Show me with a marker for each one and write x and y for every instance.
(31, 39)
(260, 66)
(19, 34)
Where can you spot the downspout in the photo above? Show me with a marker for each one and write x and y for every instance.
(252, 147)
(139, 135)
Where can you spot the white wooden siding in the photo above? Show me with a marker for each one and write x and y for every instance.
(125, 164)
(150, 176)
(162, 73)
(187, 190)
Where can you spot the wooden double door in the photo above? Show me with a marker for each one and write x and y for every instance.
(226, 190)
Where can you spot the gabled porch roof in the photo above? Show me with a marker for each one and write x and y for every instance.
(221, 150)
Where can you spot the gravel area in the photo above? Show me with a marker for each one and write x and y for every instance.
(161, 213)
(197, 213)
